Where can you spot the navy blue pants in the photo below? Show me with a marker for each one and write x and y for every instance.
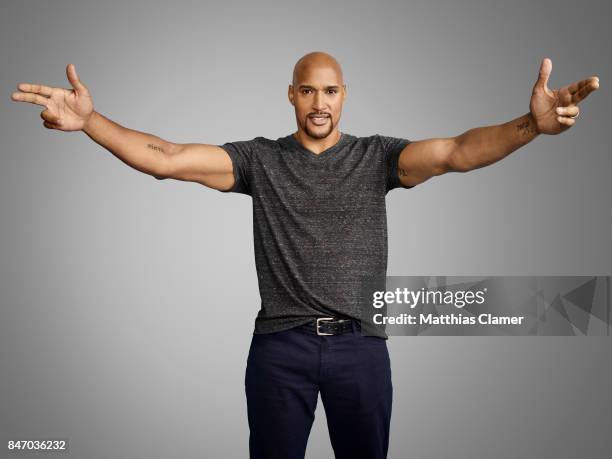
(286, 371)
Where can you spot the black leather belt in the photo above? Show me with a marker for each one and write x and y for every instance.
(328, 326)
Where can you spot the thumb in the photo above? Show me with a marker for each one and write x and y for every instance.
(74, 79)
(545, 69)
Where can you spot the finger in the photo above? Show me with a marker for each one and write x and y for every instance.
(31, 97)
(570, 110)
(565, 120)
(74, 79)
(564, 98)
(47, 116)
(35, 88)
(578, 85)
(545, 69)
(50, 125)
(587, 89)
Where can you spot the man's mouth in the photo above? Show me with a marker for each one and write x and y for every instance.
(319, 120)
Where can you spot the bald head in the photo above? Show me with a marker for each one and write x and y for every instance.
(317, 94)
(314, 60)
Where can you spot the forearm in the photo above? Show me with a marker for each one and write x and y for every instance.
(144, 152)
(482, 146)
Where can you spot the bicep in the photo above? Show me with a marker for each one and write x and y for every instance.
(207, 164)
(422, 159)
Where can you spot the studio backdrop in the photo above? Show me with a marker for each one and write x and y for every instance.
(113, 284)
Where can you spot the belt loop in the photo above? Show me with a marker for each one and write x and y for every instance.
(354, 326)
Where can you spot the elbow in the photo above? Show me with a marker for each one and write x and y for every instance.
(456, 166)
(456, 161)
(163, 170)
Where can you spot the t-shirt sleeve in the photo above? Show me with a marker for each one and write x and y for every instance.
(392, 147)
(241, 153)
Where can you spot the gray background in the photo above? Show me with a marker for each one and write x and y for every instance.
(127, 304)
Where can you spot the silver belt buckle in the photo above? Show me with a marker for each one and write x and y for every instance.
(319, 319)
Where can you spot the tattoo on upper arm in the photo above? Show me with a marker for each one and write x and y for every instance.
(155, 147)
(526, 127)
(402, 171)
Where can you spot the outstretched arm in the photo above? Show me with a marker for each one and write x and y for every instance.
(486, 145)
(208, 165)
(551, 112)
(73, 110)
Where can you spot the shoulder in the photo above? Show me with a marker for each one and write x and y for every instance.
(390, 143)
(254, 142)
(370, 143)
(249, 148)
(361, 141)
(262, 144)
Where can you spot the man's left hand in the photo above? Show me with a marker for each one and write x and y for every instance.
(556, 110)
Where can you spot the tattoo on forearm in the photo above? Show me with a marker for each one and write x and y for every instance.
(526, 127)
(402, 171)
(155, 147)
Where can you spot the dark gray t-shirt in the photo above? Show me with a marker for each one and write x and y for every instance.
(319, 224)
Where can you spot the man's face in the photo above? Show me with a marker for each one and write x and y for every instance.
(318, 96)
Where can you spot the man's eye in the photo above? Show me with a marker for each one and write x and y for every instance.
(333, 91)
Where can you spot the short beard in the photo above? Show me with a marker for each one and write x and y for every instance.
(319, 135)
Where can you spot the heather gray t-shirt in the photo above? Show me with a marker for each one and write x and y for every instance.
(319, 224)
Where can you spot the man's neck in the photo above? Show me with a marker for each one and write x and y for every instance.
(318, 145)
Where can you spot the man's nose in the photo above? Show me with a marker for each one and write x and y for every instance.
(318, 103)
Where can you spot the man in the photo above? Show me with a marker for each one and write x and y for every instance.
(320, 235)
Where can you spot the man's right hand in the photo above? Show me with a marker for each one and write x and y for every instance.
(66, 109)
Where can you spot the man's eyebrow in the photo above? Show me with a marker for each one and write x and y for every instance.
(307, 86)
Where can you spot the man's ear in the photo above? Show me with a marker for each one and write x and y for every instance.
(290, 94)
